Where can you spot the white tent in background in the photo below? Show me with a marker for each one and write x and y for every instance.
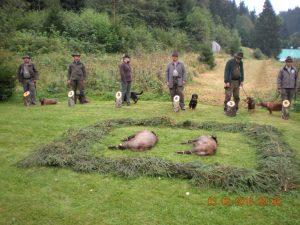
(215, 47)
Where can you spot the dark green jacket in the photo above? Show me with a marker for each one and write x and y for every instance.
(34, 75)
(76, 71)
(229, 70)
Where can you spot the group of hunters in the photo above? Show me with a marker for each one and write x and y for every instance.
(175, 78)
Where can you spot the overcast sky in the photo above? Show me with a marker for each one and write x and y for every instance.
(278, 5)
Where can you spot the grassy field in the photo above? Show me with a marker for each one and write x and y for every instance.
(61, 196)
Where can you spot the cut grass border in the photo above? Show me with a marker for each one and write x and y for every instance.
(276, 171)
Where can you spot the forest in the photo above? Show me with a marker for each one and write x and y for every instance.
(41, 28)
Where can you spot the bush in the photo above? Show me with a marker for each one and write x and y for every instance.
(258, 54)
(172, 38)
(228, 39)
(207, 56)
(32, 43)
(34, 20)
(88, 27)
(7, 78)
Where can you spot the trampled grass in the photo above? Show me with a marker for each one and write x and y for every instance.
(61, 196)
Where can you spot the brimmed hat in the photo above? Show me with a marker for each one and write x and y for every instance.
(289, 59)
(239, 55)
(175, 54)
(26, 57)
(76, 54)
(126, 56)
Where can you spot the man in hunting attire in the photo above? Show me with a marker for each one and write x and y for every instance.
(77, 76)
(176, 78)
(27, 76)
(287, 81)
(233, 79)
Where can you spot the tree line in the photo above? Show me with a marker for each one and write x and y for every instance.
(122, 25)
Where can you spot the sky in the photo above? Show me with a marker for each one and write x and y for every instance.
(278, 5)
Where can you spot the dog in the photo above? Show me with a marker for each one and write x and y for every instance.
(250, 104)
(271, 106)
(133, 96)
(202, 146)
(82, 99)
(45, 101)
(194, 101)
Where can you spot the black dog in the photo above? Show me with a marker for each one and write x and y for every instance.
(194, 101)
(134, 96)
(250, 104)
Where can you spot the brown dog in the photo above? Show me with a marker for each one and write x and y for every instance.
(45, 101)
(271, 106)
(250, 104)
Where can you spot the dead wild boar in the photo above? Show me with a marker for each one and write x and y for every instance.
(138, 142)
(202, 146)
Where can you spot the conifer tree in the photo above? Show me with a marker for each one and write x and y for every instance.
(267, 29)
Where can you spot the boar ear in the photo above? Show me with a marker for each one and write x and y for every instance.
(215, 138)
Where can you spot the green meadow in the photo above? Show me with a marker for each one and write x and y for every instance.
(50, 195)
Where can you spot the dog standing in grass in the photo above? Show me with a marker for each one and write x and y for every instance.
(193, 102)
(250, 104)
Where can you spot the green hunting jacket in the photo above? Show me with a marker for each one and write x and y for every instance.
(229, 70)
(76, 71)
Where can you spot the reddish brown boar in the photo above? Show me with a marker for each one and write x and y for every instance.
(140, 141)
(202, 146)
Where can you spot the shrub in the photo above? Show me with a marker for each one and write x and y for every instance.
(257, 53)
(30, 42)
(207, 56)
(7, 78)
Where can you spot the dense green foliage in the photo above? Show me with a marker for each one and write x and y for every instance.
(7, 78)
(267, 31)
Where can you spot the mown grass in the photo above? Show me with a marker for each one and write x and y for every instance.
(61, 196)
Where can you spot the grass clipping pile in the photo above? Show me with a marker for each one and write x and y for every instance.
(276, 167)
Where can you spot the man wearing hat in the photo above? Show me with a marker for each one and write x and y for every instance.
(126, 78)
(233, 79)
(77, 76)
(176, 78)
(27, 75)
(287, 80)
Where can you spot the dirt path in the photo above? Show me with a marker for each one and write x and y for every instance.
(260, 81)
